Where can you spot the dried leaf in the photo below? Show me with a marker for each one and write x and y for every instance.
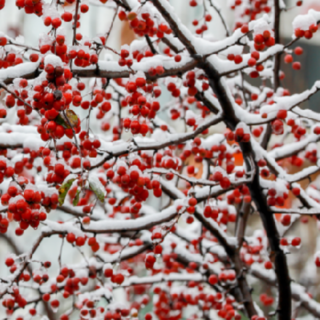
(73, 118)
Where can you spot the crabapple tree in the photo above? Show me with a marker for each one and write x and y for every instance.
(153, 214)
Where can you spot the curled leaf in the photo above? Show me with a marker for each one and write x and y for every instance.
(73, 118)
(60, 120)
(70, 118)
(64, 190)
(76, 198)
(97, 191)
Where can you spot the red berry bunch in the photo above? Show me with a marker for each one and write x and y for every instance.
(143, 24)
(238, 195)
(14, 300)
(24, 206)
(266, 300)
(276, 198)
(11, 59)
(31, 6)
(308, 34)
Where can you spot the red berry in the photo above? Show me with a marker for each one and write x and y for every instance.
(177, 58)
(282, 114)
(213, 279)
(9, 262)
(238, 59)
(296, 241)
(288, 58)
(298, 51)
(84, 8)
(296, 191)
(296, 66)
(245, 28)
(252, 62)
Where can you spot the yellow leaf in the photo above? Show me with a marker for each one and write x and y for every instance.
(73, 118)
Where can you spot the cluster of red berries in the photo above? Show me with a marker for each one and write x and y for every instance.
(190, 83)
(263, 40)
(4, 223)
(204, 27)
(227, 275)
(88, 309)
(31, 6)
(166, 51)
(219, 152)
(16, 299)
(140, 107)
(266, 300)
(11, 59)
(57, 75)
(175, 114)
(296, 161)
(238, 135)
(150, 261)
(175, 302)
(275, 198)
(175, 92)
(256, 8)
(241, 136)
(289, 59)
(224, 181)
(219, 213)
(25, 208)
(5, 171)
(82, 58)
(133, 183)
(57, 173)
(124, 54)
(54, 22)
(236, 4)
(117, 278)
(135, 126)
(72, 282)
(125, 59)
(308, 34)
(295, 242)
(251, 253)
(297, 130)
(67, 149)
(78, 241)
(312, 155)
(144, 25)
(238, 195)
(50, 104)
(23, 109)
(49, 127)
